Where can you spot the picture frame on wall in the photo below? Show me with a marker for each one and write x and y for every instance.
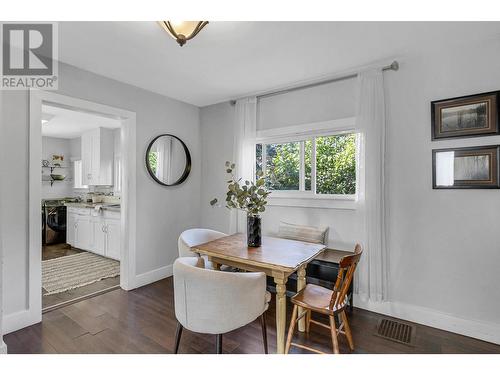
(466, 168)
(466, 116)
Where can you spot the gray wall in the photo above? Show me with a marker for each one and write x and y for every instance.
(444, 244)
(76, 147)
(217, 123)
(162, 213)
(444, 249)
(58, 146)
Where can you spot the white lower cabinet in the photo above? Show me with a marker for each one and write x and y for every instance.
(98, 236)
(99, 233)
(70, 228)
(83, 232)
(113, 241)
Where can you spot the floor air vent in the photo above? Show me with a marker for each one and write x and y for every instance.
(397, 331)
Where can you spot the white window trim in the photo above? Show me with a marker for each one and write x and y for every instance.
(117, 175)
(301, 198)
(75, 179)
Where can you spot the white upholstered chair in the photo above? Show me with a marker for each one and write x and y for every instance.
(215, 302)
(196, 236)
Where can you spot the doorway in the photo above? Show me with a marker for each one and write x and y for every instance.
(82, 211)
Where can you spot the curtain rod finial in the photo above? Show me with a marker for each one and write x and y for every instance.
(395, 66)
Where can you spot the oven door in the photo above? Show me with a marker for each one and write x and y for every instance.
(55, 223)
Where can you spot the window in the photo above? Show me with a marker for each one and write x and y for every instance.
(117, 177)
(311, 166)
(153, 161)
(78, 173)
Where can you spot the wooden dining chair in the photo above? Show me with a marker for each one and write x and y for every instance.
(327, 302)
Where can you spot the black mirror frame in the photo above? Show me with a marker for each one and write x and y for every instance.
(187, 169)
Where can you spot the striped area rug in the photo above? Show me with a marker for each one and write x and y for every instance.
(74, 271)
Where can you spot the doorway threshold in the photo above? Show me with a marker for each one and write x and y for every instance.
(78, 299)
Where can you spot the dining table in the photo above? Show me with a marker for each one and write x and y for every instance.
(276, 257)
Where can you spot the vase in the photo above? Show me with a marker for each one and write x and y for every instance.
(254, 237)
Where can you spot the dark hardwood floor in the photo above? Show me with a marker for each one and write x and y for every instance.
(53, 251)
(143, 321)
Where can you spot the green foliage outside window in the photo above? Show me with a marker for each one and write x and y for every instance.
(153, 161)
(335, 164)
(282, 167)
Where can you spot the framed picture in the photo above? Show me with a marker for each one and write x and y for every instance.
(466, 116)
(466, 168)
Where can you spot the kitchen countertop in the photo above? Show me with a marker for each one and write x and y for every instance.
(105, 206)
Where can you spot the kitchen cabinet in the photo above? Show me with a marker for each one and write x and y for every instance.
(97, 232)
(70, 227)
(83, 232)
(113, 240)
(98, 236)
(97, 157)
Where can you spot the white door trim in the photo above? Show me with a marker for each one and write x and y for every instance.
(3, 347)
(128, 217)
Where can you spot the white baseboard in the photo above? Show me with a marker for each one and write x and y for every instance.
(20, 319)
(152, 276)
(3, 347)
(477, 329)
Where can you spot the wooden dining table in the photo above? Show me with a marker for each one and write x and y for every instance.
(276, 257)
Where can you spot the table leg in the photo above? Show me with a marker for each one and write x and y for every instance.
(280, 313)
(301, 284)
(215, 266)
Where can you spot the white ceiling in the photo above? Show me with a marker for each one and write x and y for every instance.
(232, 59)
(68, 124)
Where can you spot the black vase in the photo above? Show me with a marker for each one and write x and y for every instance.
(254, 237)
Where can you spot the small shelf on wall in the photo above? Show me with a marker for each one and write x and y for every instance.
(52, 167)
(52, 180)
(48, 177)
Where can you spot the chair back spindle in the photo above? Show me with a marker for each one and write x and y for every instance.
(347, 266)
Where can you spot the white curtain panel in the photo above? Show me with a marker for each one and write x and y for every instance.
(371, 278)
(245, 132)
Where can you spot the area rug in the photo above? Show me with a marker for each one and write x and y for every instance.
(74, 271)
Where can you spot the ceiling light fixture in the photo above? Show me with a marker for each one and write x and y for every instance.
(184, 30)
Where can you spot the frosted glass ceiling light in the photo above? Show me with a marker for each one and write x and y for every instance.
(182, 31)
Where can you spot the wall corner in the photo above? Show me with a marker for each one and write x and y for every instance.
(3, 347)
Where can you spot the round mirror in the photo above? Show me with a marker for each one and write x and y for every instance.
(168, 160)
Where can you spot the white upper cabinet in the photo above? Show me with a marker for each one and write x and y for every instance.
(86, 158)
(97, 157)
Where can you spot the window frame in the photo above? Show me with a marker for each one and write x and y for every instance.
(80, 179)
(117, 175)
(301, 133)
